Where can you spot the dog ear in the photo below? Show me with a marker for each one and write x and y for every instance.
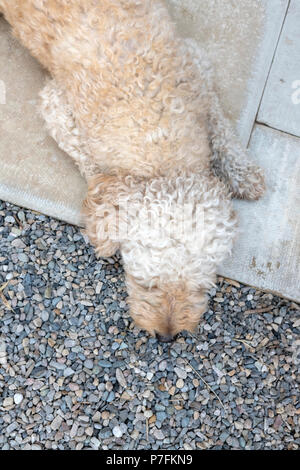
(101, 212)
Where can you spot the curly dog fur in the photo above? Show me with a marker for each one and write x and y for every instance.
(135, 107)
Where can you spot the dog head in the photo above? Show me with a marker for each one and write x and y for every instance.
(172, 233)
(165, 308)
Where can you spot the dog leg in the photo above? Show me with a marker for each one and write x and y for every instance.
(230, 161)
(61, 125)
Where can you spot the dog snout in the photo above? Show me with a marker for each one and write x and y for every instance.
(165, 339)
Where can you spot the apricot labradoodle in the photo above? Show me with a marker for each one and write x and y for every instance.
(135, 107)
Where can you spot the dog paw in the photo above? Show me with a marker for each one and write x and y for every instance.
(250, 185)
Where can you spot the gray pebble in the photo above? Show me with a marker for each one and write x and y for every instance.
(77, 374)
(18, 398)
(45, 315)
(68, 371)
(56, 423)
(104, 363)
(23, 258)
(120, 378)
(117, 431)
(89, 364)
(181, 373)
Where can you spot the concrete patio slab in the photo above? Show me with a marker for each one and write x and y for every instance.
(34, 172)
(267, 252)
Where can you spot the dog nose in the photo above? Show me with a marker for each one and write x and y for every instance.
(165, 339)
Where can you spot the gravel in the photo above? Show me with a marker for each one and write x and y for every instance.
(75, 372)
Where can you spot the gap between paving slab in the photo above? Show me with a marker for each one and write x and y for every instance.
(280, 107)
